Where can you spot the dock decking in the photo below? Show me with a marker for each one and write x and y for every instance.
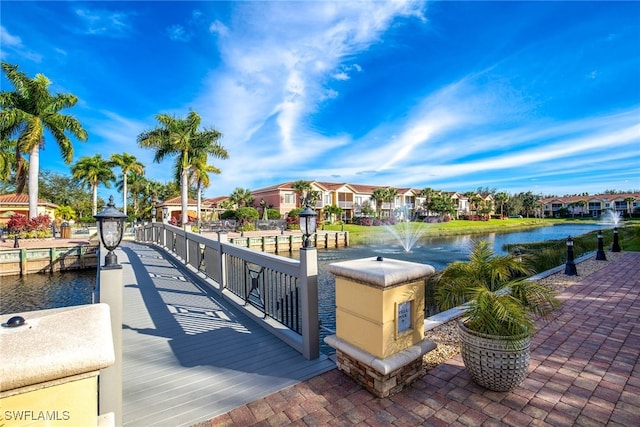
(187, 354)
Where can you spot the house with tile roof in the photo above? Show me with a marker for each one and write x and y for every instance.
(592, 206)
(19, 203)
(352, 197)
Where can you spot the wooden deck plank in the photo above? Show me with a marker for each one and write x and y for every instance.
(189, 356)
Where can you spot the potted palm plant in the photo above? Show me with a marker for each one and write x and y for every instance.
(501, 309)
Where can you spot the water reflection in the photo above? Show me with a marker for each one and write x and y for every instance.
(41, 291)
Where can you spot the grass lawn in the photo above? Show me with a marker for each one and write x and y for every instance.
(361, 235)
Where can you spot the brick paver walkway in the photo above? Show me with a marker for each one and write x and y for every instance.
(584, 371)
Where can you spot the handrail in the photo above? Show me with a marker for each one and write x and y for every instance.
(270, 287)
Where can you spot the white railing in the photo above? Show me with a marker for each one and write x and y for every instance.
(281, 292)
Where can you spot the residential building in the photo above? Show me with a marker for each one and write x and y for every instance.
(352, 197)
(591, 206)
(19, 204)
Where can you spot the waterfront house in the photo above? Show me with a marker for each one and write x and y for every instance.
(591, 206)
(19, 204)
(352, 197)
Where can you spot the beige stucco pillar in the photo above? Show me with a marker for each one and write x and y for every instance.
(50, 366)
(379, 338)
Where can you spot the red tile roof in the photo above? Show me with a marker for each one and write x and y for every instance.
(19, 199)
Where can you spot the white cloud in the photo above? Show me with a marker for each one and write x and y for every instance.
(103, 23)
(178, 33)
(9, 40)
(12, 44)
(277, 65)
(219, 28)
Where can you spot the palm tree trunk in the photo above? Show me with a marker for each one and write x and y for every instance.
(185, 195)
(199, 202)
(34, 165)
(94, 190)
(124, 193)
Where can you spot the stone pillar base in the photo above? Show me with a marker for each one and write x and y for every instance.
(381, 377)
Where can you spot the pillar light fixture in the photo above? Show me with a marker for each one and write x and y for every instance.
(111, 222)
(616, 242)
(308, 225)
(600, 255)
(570, 266)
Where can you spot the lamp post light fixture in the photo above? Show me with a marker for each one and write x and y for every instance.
(570, 266)
(600, 255)
(616, 243)
(111, 222)
(308, 225)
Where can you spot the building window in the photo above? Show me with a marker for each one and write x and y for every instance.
(289, 198)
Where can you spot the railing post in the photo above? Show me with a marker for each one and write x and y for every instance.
(109, 291)
(309, 303)
(223, 238)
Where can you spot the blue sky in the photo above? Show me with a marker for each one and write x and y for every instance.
(517, 96)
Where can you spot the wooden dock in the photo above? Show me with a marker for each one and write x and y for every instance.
(188, 355)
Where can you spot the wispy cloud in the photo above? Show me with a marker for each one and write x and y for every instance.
(103, 22)
(13, 45)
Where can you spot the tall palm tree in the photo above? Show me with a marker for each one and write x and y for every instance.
(175, 137)
(31, 110)
(199, 175)
(629, 200)
(502, 198)
(378, 196)
(390, 197)
(128, 163)
(200, 169)
(93, 171)
(428, 193)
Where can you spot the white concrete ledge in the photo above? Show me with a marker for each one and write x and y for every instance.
(54, 344)
(385, 273)
(383, 366)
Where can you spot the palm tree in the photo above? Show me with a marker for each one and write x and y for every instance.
(31, 110)
(390, 197)
(629, 200)
(378, 196)
(241, 197)
(176, 137)
(302, 189)
(199, 175)
(64, 212)
(199, 169)
(128, 163)
(499, 304)
(92, 171)
(502, 198)
(427, 193)
(7, 159)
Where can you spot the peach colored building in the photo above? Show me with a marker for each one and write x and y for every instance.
(351, 198)
(19, 203)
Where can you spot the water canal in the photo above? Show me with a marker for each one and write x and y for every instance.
(40, 291)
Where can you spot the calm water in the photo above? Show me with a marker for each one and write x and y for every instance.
(41, 291)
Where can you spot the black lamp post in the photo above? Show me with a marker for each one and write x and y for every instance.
(570, 266)
(308, 225)
(616, 243)
(111, 222)
(600, 255)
